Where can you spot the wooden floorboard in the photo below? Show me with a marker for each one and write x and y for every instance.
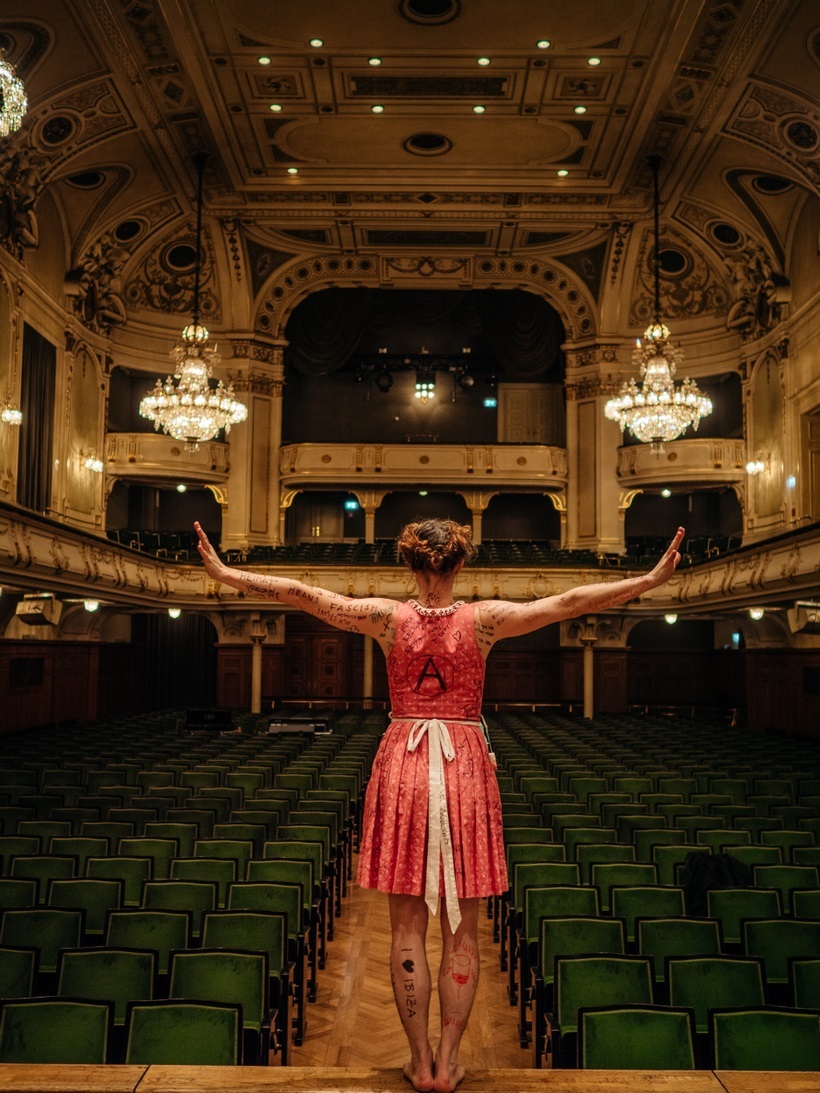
(354, 1021)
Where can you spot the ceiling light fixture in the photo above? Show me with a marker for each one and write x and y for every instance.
(479, 109)
(13, 101)
(562, 173)
(293, 170)
(263, 60)
(483, 61)
(182, 488)
(580, 110)
(377, 109)
(174, 612)
(317, 43)
(594, 61)
(543, 43)
(374, 61)
(659, 410)
(276, 107)
(91, 605)
(756, 613)
(192, 410)
(671, 619)
(666, 493)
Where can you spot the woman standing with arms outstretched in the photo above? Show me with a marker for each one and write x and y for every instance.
(432, 817)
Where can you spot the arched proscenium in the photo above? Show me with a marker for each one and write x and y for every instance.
(293, 282)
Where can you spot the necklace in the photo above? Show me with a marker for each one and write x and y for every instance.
(450, 610)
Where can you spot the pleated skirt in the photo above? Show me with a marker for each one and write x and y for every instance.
(393, 849)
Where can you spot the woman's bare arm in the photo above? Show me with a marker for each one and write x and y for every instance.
(374, 616)
(501, 619)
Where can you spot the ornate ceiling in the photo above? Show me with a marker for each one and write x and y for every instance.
(123, 94)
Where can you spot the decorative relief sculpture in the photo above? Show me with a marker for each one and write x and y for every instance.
(97, 285)
(758, 293)
(22, 180)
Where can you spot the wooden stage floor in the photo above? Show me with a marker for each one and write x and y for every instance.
(23, 1078)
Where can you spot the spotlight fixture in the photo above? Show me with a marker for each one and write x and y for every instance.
(659, 410)
(182, 488)
(384, 381)
(174, 612)
(666, 493)
(671, 619)
(425, 386)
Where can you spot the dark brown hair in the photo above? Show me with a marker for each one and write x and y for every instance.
(436, 545)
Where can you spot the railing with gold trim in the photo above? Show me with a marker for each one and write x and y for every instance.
(347, 464)
(138, 455)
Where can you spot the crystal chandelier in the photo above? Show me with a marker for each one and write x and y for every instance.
(657, 409)
(191, 409)
(13, 101)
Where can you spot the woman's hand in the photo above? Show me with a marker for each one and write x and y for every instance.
(669, 561)
(213, 566)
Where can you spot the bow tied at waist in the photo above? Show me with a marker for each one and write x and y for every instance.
(439, 838)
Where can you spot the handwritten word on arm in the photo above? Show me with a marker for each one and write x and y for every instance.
(501, 619)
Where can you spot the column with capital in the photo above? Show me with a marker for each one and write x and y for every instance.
(251, 512)
(593, 517)
(477, 501)
(258, 634)
(370, 501)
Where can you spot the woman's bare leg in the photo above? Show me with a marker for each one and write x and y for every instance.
(410, 975)
(457, 983)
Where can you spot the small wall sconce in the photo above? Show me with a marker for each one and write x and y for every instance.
(90, 461)
(91, 605)
(757, 465)
(174, 612)
(756, 613)
(10, 415)
(671, 619)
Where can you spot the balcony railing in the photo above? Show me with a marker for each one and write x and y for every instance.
(137, 455)
(700, 460)
(348, 464)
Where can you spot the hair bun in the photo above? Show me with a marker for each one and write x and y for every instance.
(435, 545)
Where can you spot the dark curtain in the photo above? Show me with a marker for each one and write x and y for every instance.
(522, 331)
(325, 329)
(178, 658)
(37, 429)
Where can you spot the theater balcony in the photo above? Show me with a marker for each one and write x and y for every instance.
(158, 457)
(444, 464)
(703, 461)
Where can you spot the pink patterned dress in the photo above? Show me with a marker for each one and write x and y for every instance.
(432, 814)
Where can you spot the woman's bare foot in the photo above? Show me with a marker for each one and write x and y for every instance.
(447, 1077)
(419, 1075)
